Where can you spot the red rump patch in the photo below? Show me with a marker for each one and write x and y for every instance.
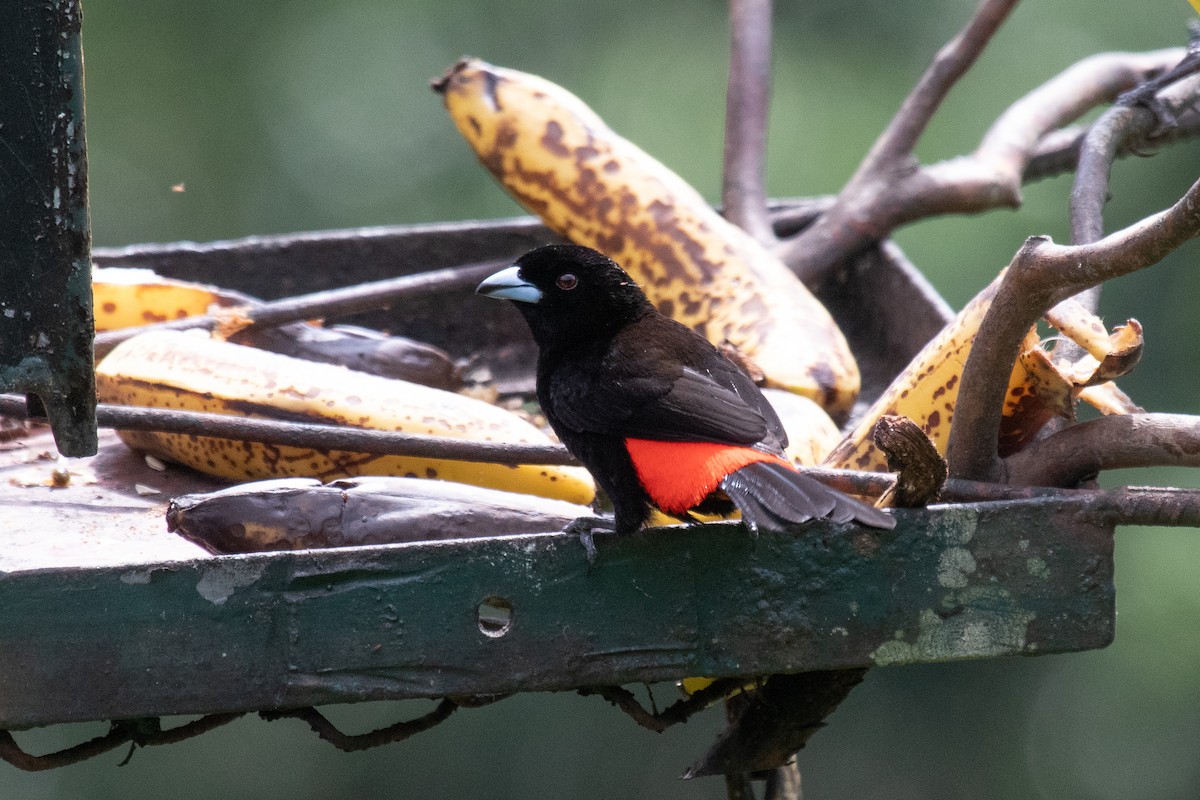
(679, 475)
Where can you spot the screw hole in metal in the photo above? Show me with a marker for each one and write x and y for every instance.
(495, 616)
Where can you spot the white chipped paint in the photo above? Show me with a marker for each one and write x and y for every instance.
(955, 567)
(990, 624)
(956, 526)
(218, 583)
(1037, 567)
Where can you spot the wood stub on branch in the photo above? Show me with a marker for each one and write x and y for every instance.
(920, 469)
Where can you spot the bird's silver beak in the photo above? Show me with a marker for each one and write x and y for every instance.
(507, 285)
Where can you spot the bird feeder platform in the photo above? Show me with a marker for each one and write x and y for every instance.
(109, 616)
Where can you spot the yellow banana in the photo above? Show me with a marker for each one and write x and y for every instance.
(195, 372)
(560, 160)
(811, 433)
(927, 390)
(125, 298)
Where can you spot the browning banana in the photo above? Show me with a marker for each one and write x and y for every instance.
(195, 372)
(296, 513)
(560, 160)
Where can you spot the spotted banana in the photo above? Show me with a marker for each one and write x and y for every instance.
(125, 298)
(195, 372)
(560, 160)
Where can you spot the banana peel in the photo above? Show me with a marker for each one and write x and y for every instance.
(1039, 389)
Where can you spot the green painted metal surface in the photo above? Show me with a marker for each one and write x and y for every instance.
(311, 627)
(45, 272)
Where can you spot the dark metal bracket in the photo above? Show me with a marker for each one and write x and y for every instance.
(46, 324)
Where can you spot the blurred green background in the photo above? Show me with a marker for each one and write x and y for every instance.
(284, 116)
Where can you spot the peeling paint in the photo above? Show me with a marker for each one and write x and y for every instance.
(956, 526)
(955, 565)
(217, 584)
(989, 625)
(137, 576)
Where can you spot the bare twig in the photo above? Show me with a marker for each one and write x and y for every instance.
(677, 712)
(891, 155)
(1041, 275)
(1058, 152)
(884, 195)
(330, 303)
(957, 56)
(1079, 452)
(143, 733)
(747, 100)
(1090, 192)
(350, 743)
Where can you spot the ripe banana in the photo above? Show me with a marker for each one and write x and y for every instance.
(193, 371)
(811, 433)
(126, 298)
(560, 160)
(295, 513)
(927, 390)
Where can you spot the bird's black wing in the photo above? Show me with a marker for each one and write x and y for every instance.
(667, 384)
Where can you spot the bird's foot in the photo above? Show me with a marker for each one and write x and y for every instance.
(586, 528)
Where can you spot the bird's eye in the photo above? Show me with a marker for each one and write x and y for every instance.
(567, 281)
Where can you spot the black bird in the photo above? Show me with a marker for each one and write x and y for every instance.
(660, 417)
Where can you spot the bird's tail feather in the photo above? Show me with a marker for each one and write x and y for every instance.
(773, 496)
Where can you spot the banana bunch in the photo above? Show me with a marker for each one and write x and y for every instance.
(124, 298)
(1038, 390)
(195, 372)
(560, 160)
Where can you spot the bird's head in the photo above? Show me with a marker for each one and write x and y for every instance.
(568, 291)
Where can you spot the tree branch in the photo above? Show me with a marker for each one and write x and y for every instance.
(349, 743)
(834, 236)
(1080, 452)
(895, 145)
(1098, 150)
(142, 732)
(1041, 275)
(884, 195)
(1058, 151)
(747, 101)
